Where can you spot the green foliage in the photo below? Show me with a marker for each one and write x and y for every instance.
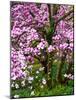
(34, 43)
(61, 90)
(21, 92)
(56, 91)
(64, 69)
(41, 89)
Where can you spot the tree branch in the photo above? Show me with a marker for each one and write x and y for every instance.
(63, 17)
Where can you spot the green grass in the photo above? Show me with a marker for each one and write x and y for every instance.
(59, 90)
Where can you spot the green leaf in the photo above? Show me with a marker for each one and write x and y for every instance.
(34, 43)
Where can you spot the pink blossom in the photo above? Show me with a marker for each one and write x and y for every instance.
(63, 46)
(51, 48)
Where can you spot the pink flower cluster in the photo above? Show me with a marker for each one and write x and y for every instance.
(26, 18)
(17, 63)
(64, 36)
(50, 48)
(43, 44)
(62, 10)
(29, 14)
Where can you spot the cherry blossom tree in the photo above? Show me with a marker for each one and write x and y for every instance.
(44, 32)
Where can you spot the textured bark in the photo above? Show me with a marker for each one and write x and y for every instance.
(55, 9)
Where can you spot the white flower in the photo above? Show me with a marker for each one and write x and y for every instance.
(72, 77)
(17, 86)
(30, 78)
(29, 81)
(69, 75)
(48, 73)
(24, 68)
(30, 87)
(32, 93)
(12, 85)
(41, 69)
(37, 72)
(16, 96)
(23, 83)
(43, 81)
(65, 75)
